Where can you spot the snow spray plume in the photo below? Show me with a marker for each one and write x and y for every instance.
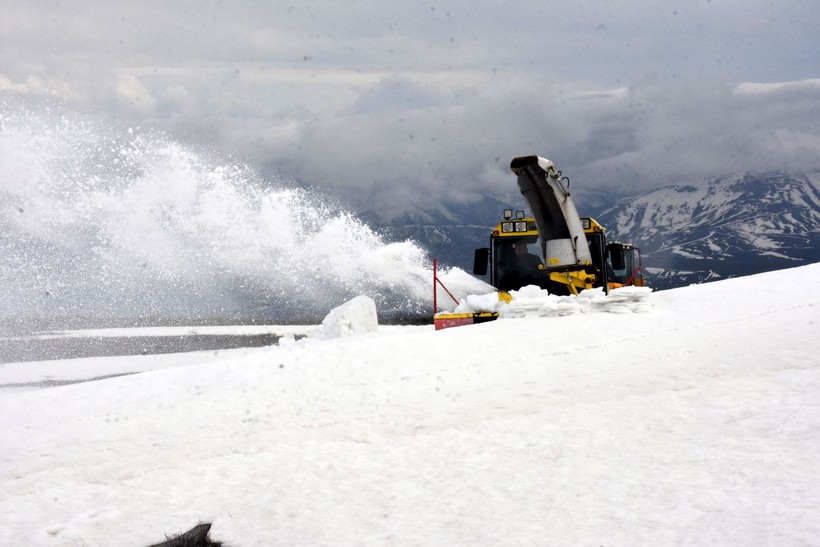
(134, 226)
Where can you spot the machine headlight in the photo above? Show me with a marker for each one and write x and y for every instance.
(507, 227)
(585, 223)
(521, 226)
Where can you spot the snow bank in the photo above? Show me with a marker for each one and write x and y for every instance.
(533, 301)
(356, 316)
(696, 424)
(479, 303)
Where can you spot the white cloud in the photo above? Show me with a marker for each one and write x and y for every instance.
(33, 85)
(133, 93)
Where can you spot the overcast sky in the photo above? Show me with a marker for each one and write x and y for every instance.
(399, 103)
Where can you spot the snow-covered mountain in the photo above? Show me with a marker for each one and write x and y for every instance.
(720, 228)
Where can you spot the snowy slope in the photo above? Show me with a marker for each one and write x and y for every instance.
(722, 228)
(695, 423)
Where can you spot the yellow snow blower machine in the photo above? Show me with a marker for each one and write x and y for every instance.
(554, 249)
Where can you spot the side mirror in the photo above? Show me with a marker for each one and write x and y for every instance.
(480, 261)
(616, 256)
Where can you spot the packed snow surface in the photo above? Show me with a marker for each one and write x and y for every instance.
(695, 422)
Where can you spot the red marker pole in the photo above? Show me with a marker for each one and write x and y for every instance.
(435, 301)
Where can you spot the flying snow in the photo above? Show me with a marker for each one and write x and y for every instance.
(96, 222)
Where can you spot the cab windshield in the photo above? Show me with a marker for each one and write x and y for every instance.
(620, 275)
(516, 263)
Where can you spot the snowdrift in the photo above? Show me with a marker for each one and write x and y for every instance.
(693, 423)
(532, 301)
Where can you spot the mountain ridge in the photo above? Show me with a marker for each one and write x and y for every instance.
(722, 227)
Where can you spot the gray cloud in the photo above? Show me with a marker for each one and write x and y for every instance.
(644, 136)
(398, 105)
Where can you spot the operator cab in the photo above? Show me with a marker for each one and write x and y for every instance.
(514, 255)
(624, 261)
